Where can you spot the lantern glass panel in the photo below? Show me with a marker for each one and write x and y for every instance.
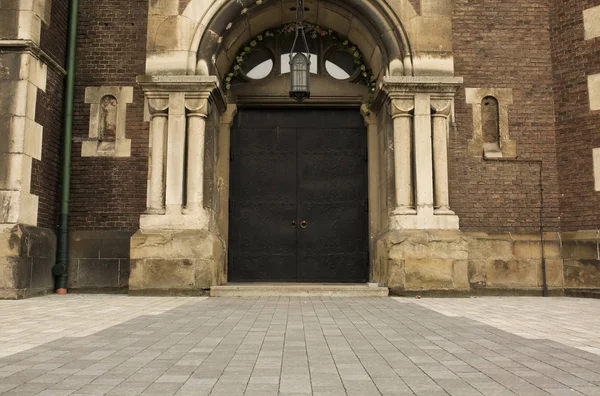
(299, 73)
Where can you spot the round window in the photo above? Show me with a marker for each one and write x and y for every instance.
(340, 64)
(258, 64)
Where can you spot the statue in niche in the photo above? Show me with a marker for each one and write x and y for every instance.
(108, 118)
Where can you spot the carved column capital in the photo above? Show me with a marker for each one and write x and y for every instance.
(198, 104)
(402, 107)
(228, 115)
(368, 116)
(441, 107)
(157, 105)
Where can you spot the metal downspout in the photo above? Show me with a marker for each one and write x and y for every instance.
(60, 269)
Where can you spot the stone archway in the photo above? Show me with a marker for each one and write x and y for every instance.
(182, 243)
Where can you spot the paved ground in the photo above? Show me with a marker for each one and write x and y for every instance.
(118, 345)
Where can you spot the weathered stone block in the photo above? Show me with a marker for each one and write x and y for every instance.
(490, 249)
(27, 255)
(397, 276)
(584, 273)
(554, 273)
(580, 249)
(460, 275)
(512, 273)
(527, 250)
(429, 274)
(96, 273)
(476, 274)
(163, 274)
(176, 261)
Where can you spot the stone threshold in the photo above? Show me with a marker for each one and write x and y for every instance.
(298, 290)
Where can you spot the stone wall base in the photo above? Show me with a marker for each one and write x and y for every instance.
(176, 262)
(27, 255)
(99, 261)
(455, 263)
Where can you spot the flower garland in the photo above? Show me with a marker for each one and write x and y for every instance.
(312, 31)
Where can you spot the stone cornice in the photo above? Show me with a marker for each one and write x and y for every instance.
(157, 85)
(31, 47)
(397, 87)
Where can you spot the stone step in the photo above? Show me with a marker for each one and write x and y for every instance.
(299, 290)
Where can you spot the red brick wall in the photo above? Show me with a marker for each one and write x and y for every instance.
(54, 36)
(577, 128)
(110, 193)
(505, 44)
(45, 174)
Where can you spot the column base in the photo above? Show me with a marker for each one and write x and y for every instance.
(192, 221)
(424, 219)
(179, 262)
(404, 212)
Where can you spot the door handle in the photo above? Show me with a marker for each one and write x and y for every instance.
(304, 224)
(294, 225)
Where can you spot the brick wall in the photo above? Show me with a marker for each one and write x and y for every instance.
(505, 44)
(577, 129)
(110, 193)
(45, 175)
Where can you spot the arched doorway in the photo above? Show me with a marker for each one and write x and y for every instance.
(192, 97)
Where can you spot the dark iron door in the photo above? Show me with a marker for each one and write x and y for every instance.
(298, 207)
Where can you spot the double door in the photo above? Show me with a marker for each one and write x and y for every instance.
(298, 196)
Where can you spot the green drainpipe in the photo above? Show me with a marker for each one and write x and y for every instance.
(60, 269)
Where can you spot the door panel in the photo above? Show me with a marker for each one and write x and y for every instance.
(263, 205)
(331, 199)
(298, 165)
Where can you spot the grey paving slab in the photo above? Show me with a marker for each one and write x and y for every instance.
(305, 346)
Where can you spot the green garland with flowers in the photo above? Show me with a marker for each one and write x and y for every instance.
(312, 31)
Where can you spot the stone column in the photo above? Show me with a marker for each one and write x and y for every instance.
(401, 111)
(374, 178)
(158, 133)
(198, 108)
(423, 154)
(440, 155)
(175, 153)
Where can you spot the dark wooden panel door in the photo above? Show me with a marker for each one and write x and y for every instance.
(302, 167)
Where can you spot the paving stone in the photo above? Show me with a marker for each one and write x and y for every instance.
(319, 346)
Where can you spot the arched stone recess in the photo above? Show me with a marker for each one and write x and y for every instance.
(384, 45)
(185, 43)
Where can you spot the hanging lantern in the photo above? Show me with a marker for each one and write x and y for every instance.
(300, 76)
(299, 62)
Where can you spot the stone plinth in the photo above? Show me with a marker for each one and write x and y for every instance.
(27, 255)
(454, 262)
(176, 262)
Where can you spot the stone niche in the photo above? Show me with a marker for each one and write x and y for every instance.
(108, 110)
(491, 138)
(27, 255)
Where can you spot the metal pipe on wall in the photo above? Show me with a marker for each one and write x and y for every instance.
(61, 267)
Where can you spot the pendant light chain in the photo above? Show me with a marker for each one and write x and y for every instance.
(299, 63)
